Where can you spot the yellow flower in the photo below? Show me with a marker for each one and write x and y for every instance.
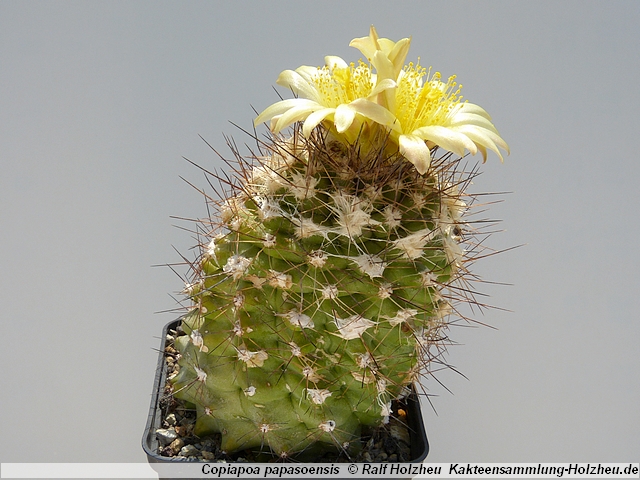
(324, 93)
(418, 109)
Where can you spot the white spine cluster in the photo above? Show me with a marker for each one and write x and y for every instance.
(236, 266)
(198, 341)
(352, 218)
(371, 265)
(299, 319)
(403, 315)
(318, 395)
(353, 326)
(252, 359)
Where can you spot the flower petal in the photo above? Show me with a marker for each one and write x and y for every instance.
(381, 86)
(377, 113)
(398, 54)
(298, 84)
(295, 115)
(473, 108)
(314, 119)
(447, 138)
(343, 117)
(280, 107)
(332, 62)
(483, 137)
(416, 151)
(367, 45)
(384, 66)
(307, 72)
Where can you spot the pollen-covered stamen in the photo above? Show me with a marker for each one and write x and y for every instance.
(236, 266)
(353, 326)
(318, 395)
(338, 85)
(425, 102)
(371, 265)
(252, 359)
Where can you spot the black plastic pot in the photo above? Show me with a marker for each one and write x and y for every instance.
(419, 444)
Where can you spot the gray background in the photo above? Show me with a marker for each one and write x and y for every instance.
(99, 102)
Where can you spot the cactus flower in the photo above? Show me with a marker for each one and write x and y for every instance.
(417, 108)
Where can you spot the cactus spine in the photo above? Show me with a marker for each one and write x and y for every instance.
(324, 287)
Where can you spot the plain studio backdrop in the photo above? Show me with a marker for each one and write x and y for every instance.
(99, 102)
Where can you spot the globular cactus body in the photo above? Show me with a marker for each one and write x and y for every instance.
(317, 301)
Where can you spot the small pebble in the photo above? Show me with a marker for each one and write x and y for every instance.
(177, 445)
(189, 451)
(171, 419)
(208, 455)
(166, 436)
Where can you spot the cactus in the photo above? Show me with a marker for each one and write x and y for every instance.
(324, 284)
